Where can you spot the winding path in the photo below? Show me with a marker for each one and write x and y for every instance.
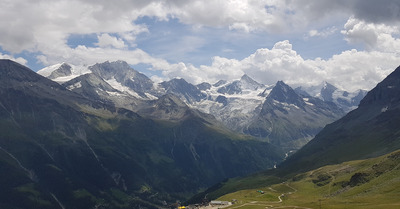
(267, 204)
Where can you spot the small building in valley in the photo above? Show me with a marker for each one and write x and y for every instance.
(217, 202)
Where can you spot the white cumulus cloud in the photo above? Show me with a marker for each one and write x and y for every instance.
(350, 70)
(374, 36)
(322, 33)
(105, 40)
(20, 60)
(43, 28)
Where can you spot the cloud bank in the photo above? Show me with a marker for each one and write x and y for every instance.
(350, 70)
(44, 28)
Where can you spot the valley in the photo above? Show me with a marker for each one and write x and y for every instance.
(194, 104)
(106, 136)
(351, 163)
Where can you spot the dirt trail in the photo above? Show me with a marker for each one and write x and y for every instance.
(270, 205)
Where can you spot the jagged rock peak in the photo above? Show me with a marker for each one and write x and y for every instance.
(109, 69)
(284, 93)
(220, 83)
(326, 85)
(204, 86)
(248, 83)
(245, 77)
(327, 91)
(183, 89)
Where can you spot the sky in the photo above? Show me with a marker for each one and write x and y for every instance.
(353, 44)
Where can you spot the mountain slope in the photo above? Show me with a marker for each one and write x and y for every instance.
(59, 149)
(369, 131)
(94, 87)
(371, 183)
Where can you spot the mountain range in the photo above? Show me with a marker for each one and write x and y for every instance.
(107, 136)
(244, 106)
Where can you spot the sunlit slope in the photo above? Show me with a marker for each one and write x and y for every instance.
(371, 183)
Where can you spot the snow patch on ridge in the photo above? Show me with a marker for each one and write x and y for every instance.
(116, 85)
(75, 86)
(306, 100)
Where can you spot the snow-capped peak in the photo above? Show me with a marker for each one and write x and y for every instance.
(48, 70)
(328, 92)
(52, 72)
(249, 83)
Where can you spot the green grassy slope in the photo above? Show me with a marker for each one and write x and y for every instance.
(371, 183)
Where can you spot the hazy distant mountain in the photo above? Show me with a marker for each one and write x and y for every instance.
(236, 87)
(329, 93)
(219, 83)
(203, 86)
(186, 91)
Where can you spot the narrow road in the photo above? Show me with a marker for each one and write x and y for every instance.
(268, 205)
(279, 197)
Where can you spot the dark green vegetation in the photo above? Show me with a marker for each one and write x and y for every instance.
(369, 131)
(59, 149)
(371, 183)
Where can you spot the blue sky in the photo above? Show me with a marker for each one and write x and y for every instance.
(352, 44)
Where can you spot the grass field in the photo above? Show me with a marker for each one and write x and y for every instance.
(372, 183)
